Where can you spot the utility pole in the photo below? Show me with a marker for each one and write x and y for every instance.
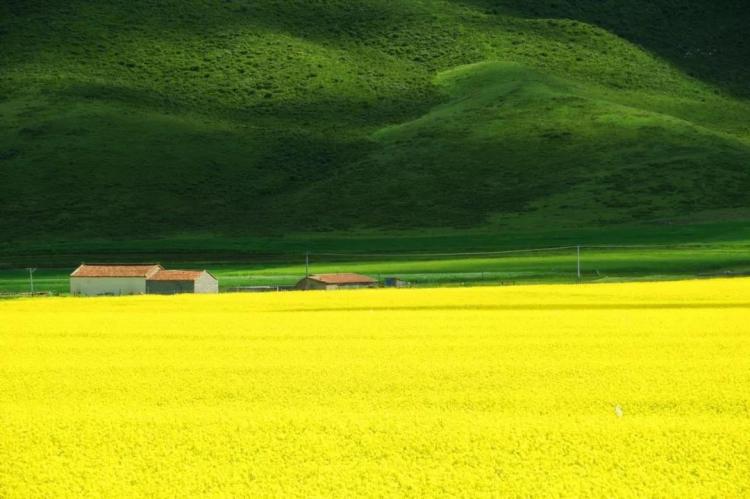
(307, 264)
(31, 278)
(578, 256)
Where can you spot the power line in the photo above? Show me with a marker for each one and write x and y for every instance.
(515, 251)
(427, 255)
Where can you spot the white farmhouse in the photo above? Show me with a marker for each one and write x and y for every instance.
(96, 280)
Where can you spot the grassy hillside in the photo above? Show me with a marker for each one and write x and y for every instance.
(239, 117)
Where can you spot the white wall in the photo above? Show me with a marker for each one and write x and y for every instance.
(206, 284)
(94, 286)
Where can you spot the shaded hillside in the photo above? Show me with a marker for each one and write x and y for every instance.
(152, 117)
(597, 156)
(705, 39)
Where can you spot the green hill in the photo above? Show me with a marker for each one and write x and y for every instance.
(242, 117)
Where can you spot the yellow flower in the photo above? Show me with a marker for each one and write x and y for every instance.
(439, 393)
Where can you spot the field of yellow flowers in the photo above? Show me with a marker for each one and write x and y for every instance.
(610, 390)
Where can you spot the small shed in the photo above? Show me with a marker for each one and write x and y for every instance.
(395, 282)
(172, 282)
(336, 281)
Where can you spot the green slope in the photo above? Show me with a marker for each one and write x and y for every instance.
(150, 117)
(525, 144)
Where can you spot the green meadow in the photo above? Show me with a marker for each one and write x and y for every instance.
(598, 265)
(433, 259)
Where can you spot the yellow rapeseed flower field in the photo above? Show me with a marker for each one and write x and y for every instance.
(610, 390)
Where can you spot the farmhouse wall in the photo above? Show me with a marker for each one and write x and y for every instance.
(206, 283)
(97, 286)
(312, 284)
(307, 283)
(168, 287)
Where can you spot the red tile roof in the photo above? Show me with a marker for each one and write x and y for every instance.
(176, 275)
(343, 279)
(116, 270)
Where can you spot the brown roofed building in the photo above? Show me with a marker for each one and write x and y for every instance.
(96, 280)
(117, 279)
(336, 281)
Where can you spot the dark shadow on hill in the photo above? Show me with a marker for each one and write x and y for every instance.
(313, 112)
(707, 40)
(103, 172)
(313, 20)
